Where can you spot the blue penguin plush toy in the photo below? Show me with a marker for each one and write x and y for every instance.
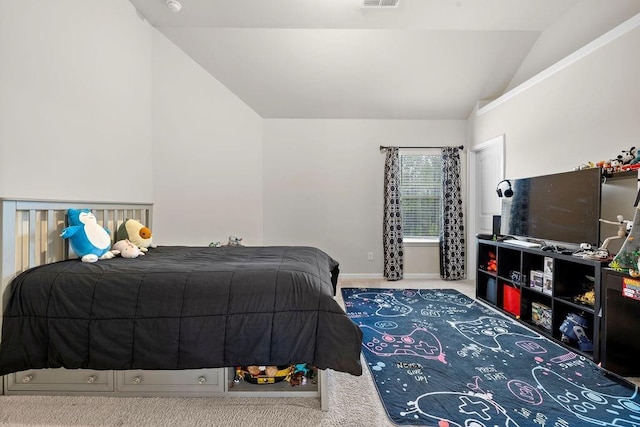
(88, 240)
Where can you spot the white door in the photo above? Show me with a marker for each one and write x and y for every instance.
(486, 170)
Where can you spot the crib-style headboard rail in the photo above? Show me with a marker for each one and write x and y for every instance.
(30, 231)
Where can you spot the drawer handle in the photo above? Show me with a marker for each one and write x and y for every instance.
(27, 378)
(137, 380)
(91, 379)
(202, 380)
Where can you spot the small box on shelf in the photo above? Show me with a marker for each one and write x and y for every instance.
(536, 280)
(548, 266)
(516, 277)
(511, 299)
(541, 315)
(547, 284)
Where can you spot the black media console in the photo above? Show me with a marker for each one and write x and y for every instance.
(564, 286)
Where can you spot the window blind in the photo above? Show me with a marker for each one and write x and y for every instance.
(421, 195)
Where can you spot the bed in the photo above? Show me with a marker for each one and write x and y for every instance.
(176, 321)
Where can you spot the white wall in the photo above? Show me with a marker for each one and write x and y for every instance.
(582, 24)
(587, 111)
(207, 155)
(323, 186)
(97, 105)
(75, 103)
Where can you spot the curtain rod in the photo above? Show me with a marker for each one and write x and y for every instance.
(382, 147)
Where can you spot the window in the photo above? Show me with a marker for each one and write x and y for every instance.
(421, 194)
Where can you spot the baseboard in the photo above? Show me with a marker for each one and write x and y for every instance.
(360, 276)
(429, 276)
(426, 276)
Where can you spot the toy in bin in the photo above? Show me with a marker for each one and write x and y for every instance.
(293, 374)
(262, 374)
(300, 373)
(573, 331)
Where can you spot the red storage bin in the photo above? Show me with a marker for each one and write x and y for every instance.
(511, 299)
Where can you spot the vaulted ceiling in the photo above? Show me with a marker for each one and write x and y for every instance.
(424, 59)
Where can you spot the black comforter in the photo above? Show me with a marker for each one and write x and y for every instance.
(181, 308)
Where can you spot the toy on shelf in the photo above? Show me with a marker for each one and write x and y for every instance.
(627, 156)
(587, 165)
(587, 298)
(573, 331)
(624, 227)
(492, 264)
(615, 165)
(627, 160)
(627, 257)
(586, 295)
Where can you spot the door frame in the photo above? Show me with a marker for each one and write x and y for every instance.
(472, 178)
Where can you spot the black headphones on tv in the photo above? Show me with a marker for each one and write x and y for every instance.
(508, 192)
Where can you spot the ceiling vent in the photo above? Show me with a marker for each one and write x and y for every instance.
(380, 3)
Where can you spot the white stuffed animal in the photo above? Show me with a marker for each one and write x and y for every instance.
(127, 249)
(234, 241)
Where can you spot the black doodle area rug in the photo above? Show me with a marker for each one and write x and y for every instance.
(440, 359)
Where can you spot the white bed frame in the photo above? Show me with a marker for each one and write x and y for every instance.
(30, 235)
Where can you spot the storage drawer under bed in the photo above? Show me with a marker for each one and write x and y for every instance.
(60, 380)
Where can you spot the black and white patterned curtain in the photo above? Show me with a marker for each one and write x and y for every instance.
(392, 228)
(452, 242)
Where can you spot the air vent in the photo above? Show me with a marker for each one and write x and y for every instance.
(380, 3)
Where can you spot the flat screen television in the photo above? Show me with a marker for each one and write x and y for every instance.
(562, 208)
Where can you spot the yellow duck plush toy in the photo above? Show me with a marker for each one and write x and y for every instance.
(136, 233)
